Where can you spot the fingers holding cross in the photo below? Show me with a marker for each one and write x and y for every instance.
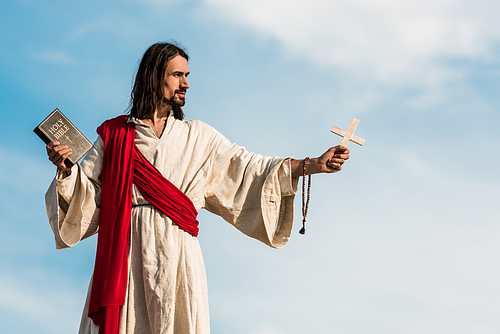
(332, 160)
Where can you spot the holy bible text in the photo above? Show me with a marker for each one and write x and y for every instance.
(57, 127)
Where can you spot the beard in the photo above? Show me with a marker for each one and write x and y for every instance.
(175, 100)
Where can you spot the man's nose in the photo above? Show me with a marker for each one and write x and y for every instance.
(185, 83)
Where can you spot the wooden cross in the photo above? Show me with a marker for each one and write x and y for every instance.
(349, 134)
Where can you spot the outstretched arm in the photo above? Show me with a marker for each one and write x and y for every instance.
(329, 162)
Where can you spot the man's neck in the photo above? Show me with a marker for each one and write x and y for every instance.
(160, 115)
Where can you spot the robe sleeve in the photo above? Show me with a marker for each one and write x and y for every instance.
(252, 192)
(73, 202)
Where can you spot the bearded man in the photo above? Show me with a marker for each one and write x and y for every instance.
(141, 186)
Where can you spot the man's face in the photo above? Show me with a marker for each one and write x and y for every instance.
(175, 83)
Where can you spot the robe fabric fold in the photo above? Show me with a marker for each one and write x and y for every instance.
(124, 165)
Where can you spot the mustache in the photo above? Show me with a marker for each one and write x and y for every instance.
(181, 91)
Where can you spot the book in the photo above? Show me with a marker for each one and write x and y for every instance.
(57, 127)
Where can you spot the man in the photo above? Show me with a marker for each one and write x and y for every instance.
(141, 187)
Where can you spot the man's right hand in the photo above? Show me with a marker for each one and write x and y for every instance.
(57, 154)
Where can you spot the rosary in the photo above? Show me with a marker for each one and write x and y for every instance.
(347, 136)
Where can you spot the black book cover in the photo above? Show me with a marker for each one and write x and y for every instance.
(57, 127)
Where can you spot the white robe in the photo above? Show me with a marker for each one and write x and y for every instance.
(167, 288)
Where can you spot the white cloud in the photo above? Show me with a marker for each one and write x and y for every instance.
(53, 56)
(93, 26)
(402, 42)
(268, 330)
(109, 23)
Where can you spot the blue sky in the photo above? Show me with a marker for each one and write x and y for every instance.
(403, 240)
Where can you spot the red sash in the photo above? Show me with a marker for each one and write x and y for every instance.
(124, 165)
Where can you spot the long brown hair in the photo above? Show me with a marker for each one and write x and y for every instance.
(147, 93)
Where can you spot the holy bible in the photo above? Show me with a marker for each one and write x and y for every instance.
(57, 127)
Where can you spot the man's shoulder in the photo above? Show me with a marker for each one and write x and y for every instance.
(112, 124)
(197, 125)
